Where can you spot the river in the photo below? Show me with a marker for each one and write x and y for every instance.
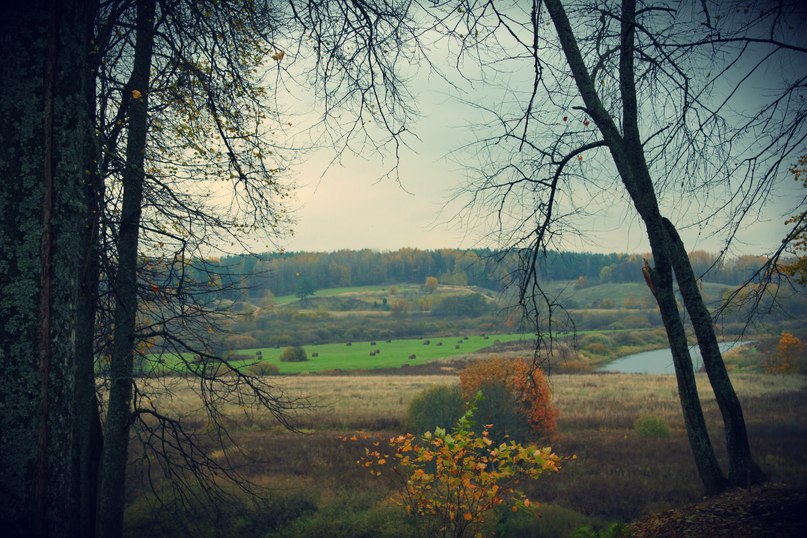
(658, 361)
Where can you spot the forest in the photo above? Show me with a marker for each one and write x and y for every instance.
(282, 274)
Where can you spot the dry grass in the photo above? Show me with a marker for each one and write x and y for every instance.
(616, 475)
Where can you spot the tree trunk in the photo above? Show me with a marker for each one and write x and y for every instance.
(88, 435)
(709, 471)
(627, 153)
(743, 471)
(44, 113)
(118, 419)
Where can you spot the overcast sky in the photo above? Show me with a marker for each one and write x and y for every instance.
(348, 204)
(350, 207)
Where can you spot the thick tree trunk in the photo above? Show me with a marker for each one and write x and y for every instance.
(119, 412)
(743, 471)
(42, 153)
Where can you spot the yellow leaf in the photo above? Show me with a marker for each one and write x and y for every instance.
(136, 94)
(279, 55)
(468, 516)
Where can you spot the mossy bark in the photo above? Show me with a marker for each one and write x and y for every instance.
(30, 116)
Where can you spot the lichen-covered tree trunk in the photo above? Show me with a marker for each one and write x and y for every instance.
(44, 114)
(743, 471)
(119, 412)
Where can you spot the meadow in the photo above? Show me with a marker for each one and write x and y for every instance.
(611, 472)
(374, 354)
(353, 386)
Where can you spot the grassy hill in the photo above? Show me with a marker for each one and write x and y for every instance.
(337, 326)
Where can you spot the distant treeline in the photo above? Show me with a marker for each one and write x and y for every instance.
(284, 274)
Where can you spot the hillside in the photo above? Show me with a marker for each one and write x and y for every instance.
(296, 273)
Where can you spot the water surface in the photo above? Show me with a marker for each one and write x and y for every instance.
(658, 361)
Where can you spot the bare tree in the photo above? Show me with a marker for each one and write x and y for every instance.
(643, 97)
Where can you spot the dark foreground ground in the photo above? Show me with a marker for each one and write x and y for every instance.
(770, 510)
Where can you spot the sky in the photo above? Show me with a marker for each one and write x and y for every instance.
(350, 204)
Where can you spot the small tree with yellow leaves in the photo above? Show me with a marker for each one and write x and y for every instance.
(451, 482)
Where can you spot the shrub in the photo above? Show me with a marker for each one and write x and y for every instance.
(598, 349)
(469, 305)
(293, 354)
(596, 338)
(451, 483)
(499, 409)
(239, 341)
(441, 405)
(263, 368)
(786, 358)
(614, 530)
(527, 385)
(651, 427)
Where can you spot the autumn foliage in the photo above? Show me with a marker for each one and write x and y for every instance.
(787, 356)
(450, 482)
(527, 385)
(797, 237)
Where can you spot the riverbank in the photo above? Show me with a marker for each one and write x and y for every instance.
(660, 361)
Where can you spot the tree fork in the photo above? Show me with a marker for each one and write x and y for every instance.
(627, 153)
(743, 471)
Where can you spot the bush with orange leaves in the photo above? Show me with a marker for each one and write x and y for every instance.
(787, 359)
(527, 386)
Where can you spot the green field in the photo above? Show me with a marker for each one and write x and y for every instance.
(392, 354)
(395, 353)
